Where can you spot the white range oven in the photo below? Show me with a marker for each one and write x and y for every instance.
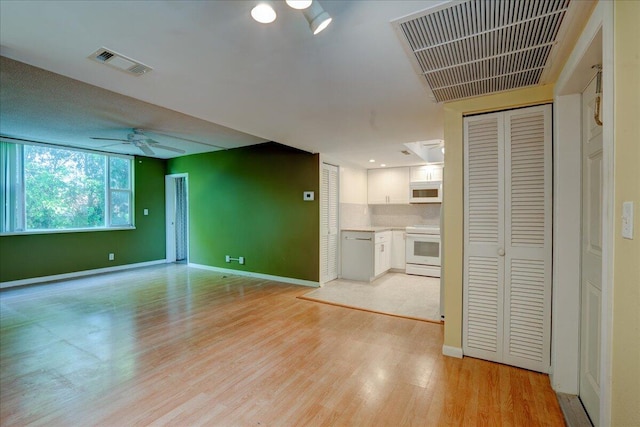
(423, 250)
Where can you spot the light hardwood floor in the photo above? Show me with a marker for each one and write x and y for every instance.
(173, 345)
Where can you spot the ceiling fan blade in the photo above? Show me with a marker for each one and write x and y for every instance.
(146, 150)
(109, 139)
(185, 139)
(111, 145)
(164, 147)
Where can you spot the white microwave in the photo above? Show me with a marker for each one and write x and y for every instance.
(426, 192)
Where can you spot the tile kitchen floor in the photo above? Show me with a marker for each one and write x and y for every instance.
(394, 293)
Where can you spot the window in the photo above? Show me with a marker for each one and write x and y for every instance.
(48, 188)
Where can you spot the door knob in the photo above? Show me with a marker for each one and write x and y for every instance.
(501, 252)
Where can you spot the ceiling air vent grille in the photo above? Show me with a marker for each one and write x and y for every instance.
(477, 47)
(121, 62)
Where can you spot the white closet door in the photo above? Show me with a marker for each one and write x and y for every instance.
(528, 238)
(507, 252)
(484, 236)
(329, 223)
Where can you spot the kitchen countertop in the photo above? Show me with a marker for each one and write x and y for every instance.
(372, 229)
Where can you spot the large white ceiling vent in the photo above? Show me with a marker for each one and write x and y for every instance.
(121, 62)
(476, 47)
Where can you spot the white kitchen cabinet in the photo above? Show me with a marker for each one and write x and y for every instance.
(398, 260)
(426, 173)
(382, 257)
(388, 186)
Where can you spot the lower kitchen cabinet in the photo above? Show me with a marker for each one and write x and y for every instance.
(382, 256)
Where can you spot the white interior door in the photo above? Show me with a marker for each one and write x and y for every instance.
(329, 223)
(591, 280)
(507, 243)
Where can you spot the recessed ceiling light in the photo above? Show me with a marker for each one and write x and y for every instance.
(383, 165)
(372, 161)
(263, 13)
(299, 4)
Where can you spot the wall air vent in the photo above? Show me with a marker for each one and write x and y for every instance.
(121, 62)
(471, 48)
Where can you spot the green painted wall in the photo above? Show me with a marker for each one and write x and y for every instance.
(248, 202)
(37, 255)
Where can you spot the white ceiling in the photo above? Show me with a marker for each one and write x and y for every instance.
(349, 92)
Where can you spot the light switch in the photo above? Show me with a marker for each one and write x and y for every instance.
(627, 220)
(145, 212)
(307, 196)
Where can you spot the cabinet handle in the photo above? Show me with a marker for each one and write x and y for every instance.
(501, 252)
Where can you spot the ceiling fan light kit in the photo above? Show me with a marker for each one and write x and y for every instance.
(315, 14)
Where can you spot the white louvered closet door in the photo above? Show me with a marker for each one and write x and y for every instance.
(507, 277)
(329, 223)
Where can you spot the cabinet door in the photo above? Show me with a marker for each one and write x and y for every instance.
(418, 173)
(377, 187)
(398, 185)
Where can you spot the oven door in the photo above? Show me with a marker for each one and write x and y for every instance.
(423, 249)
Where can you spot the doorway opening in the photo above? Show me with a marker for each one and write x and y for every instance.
(177, 217)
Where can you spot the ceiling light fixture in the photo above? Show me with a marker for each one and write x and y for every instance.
(299, 4)
(372, 161)
(263, 13)
(383, 165)
(317, 18)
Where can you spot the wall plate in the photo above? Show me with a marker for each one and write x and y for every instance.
(308, 196)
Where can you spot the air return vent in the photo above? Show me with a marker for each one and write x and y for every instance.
(121, 62)
(476, 47)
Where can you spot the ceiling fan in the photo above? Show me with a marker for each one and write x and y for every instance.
(138, 139)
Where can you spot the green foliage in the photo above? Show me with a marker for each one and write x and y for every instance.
(64, 188)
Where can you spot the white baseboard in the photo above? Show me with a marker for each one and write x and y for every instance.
(456, 352)
(258, 275)
(75, 274)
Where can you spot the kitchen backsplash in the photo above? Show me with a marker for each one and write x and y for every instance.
(354, 215)
(405, 215)
(359, 215)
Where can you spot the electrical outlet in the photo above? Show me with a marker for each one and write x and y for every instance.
(241, 260)
(145, 212)
(112, 257)
(227, 258)
(308, 196)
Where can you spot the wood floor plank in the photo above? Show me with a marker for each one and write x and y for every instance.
(173, 345)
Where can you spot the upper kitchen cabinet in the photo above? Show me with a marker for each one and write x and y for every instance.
(426, 173)
(388, 186)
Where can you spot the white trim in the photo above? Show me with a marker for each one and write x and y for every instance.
(565, 334)
(290, 280)
(76, 274)
(608, 214)
(450, 351)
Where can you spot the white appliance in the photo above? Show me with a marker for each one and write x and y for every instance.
(357, 255)
(423, 250)
(426, 192)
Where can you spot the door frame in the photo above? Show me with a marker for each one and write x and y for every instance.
(170, 215)
(565, 351)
